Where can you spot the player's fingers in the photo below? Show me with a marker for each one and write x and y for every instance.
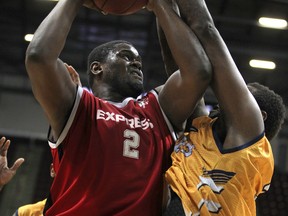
(71, 70)
(2, 140)
(17, 164)
(4, 146)
(75, 76)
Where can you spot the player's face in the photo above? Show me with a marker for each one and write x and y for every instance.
(124, 70)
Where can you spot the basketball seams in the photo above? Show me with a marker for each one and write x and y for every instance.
(96, 6)
(104, 3)
(131, 5)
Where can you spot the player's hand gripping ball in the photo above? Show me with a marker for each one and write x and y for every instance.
(116, 7)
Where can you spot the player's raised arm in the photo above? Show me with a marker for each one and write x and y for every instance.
(184, 88)
(170, 64)
(242, 114)
(51, 84)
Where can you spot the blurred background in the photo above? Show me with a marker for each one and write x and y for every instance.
(22, 120)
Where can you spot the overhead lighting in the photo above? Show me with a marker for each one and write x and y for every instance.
(272, 23)
(28, 37)
(269, 65)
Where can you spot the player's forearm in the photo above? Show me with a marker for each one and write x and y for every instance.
(49, 39)
(51, 84)
(195, 13)
(169, 62)
(182, 42)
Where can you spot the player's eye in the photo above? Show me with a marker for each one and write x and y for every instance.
(126, 57)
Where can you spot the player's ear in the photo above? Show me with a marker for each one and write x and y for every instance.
(96, 68)
(264, 115)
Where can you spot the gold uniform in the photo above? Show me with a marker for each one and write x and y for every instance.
(212, 181)
(35, 209)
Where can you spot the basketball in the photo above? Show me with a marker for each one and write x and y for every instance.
(119, 7)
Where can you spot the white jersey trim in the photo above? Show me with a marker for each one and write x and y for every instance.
(69, 122)
(121, 104)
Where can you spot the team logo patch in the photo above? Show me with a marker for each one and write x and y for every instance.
(143, 102)
(184, 145)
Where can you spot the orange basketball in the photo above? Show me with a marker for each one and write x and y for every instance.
(120, 7)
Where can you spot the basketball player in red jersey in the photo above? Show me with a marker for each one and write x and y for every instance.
(224, 161)
(111, 148)
(6, 173)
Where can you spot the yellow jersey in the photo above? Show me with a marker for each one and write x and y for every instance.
(212, 181)
(35, 209)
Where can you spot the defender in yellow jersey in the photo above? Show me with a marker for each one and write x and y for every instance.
(213, 180)
(35, 209)
(223, 162)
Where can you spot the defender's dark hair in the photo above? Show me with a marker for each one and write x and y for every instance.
(272, 104)
(100, 54)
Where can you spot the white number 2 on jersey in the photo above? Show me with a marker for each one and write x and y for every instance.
(131, 144)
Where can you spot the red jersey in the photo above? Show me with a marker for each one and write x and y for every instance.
(114, 156)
